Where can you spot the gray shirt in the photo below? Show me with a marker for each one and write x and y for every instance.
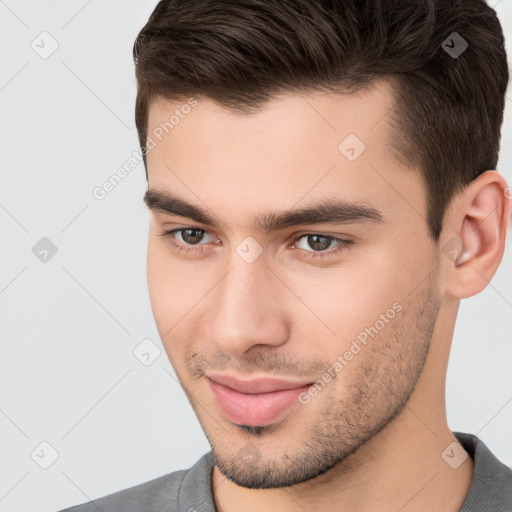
(189, 490)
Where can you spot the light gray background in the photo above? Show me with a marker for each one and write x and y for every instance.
(68, 375)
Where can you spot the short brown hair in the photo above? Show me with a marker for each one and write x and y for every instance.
(448, 110)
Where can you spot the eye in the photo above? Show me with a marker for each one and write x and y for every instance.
(317, 242)
(320, 243)
(189, 236)
(184, 240)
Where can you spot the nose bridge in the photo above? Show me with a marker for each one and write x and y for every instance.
(248, 310)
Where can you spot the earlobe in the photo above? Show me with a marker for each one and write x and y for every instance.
(479, 225)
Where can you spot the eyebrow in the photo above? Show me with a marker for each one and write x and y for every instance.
(329, 211)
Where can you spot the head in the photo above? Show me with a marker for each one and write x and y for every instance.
(322, 187)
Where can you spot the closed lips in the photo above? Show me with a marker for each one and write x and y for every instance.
(256, 386)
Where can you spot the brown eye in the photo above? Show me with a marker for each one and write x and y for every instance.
(192, 235)
(191, 239)
(316, 245)
(318, 242)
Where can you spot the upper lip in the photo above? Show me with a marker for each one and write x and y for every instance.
(254, 386)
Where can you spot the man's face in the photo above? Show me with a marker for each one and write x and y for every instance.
(353, 319)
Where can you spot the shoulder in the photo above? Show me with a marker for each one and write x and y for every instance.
(491, 488)
(154, 495)
(157, 494)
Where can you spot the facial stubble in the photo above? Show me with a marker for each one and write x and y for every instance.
(380, 387)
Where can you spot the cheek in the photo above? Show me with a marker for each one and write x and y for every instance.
(164, 296)
(157, 282)
(364, 295)
(165, 286)
(175, 288)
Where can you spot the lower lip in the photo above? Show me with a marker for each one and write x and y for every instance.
(254, 410)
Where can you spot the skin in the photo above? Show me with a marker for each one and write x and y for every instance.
(372, 439)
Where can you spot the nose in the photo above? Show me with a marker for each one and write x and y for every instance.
(250, 309)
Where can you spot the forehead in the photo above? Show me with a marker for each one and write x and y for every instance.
(297, 147)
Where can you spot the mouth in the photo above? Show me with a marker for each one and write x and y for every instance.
(256, 402)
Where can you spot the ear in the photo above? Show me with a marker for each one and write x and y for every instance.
(473, 238)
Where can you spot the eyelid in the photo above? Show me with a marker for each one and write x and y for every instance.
(293, 235)
(343, 243)
(206, 231)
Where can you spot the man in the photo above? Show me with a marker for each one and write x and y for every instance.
(323, 193)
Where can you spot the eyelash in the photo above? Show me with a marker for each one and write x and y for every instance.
(343, 243)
